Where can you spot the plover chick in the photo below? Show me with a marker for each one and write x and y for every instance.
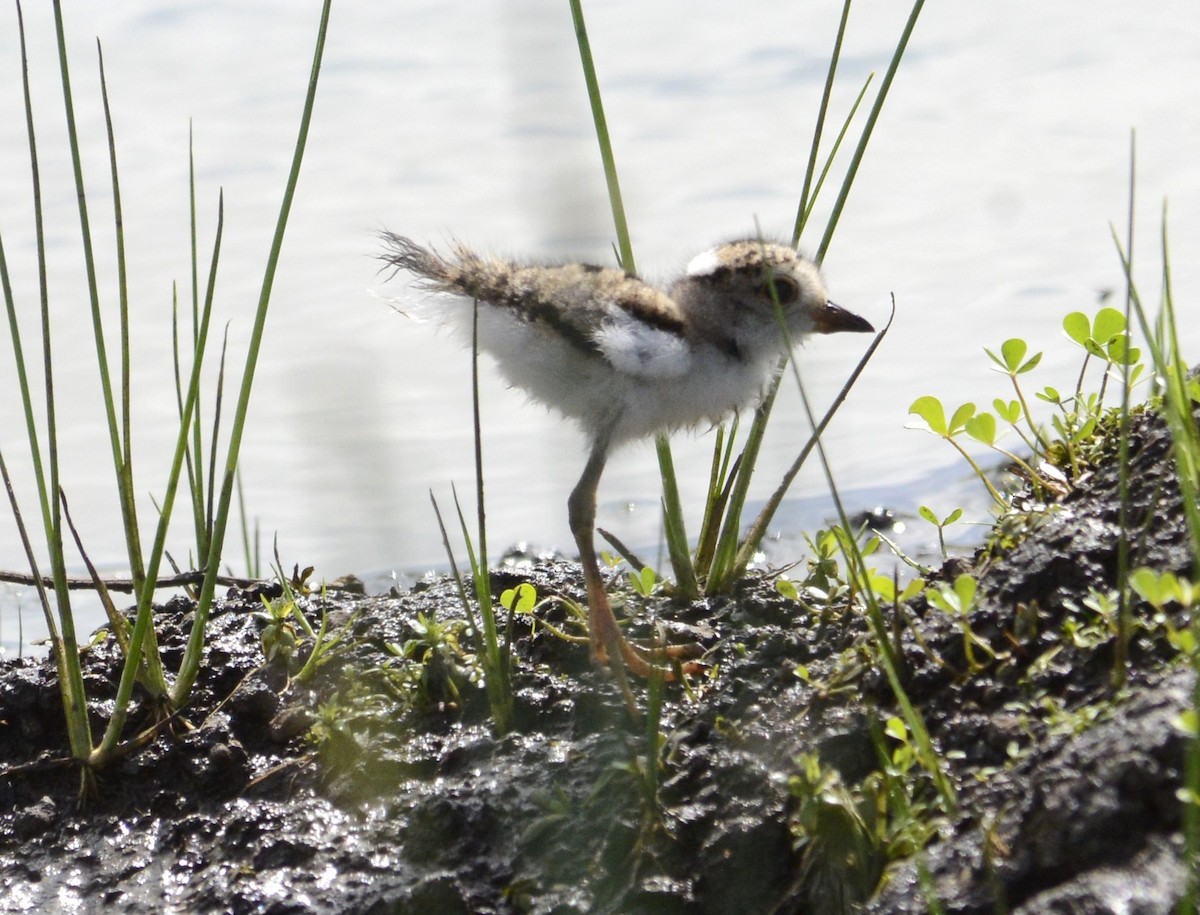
(626, 359)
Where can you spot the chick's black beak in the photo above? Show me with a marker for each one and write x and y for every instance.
(830, 319)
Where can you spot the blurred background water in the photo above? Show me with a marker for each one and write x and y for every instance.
(984, 204)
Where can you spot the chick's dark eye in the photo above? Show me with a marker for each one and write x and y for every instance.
(787, 290)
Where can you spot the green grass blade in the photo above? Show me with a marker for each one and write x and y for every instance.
(926, 752)
(192, 656)
(1124, 603)
(250, 545)
(195, 484)
(625, 247)
(806, 191)
(31, 558)
(721, 477)
(128, 513)
(496, 680)
(677, 542)
(200, 488)
(1187, 456)
(720, 574)
(476, 629)
(143, 623)
(218, 400)
(758, 529)
(67, 650)
(833, 152)
(868, 129)
(497, 672)
(1163, 343)
(125, 470)
(686, 585)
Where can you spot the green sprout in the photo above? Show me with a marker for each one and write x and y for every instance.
(927, 513)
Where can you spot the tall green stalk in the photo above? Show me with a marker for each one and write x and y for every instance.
(124, 469)
(868, 129)
(732, 557)
(681, 562)
(143, 627)
(195, 647)
(806, 193)
(156, 681)
(142, 659)
(1178, 409)
(926, 752)
(1124, 604)
(66, 649)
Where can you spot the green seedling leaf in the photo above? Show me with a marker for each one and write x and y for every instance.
(930, 409)
(1009, 412)
(912, 589)
(982, 428)
(1086, 430)
(1077, 327)
(1156, 589)
(1183, 641)
(942, 599)
(1188, 593)
(927, 513)
(881, 586)
(1050, 395)
(643, 581)
(520, 599)
(895, 728)
(959, 600)
(1013, 350)
(787, 588)
(959, 420)
(1188, 723)
(964, 587)
(1121, 352)
(1108, 323)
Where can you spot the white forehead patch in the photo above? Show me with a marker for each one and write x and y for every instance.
(704, 264)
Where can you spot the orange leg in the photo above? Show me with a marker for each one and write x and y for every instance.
(609, 645)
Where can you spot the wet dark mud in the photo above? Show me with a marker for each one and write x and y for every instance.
(377, 785)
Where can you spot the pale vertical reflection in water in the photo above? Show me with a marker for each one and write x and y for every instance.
(984, 204)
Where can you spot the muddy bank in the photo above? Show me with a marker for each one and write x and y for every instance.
(777, 784)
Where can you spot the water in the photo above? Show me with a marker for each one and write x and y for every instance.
(984, 205)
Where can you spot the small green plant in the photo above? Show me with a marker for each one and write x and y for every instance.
(847, 834)
(837, 833)
(496, 663)
(959, 601)
(928, 514)
(1062, 453)
(496, 659)
(1161, 588)
(284, 623)
(438, 669)
(523, 600)
(139, 645)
